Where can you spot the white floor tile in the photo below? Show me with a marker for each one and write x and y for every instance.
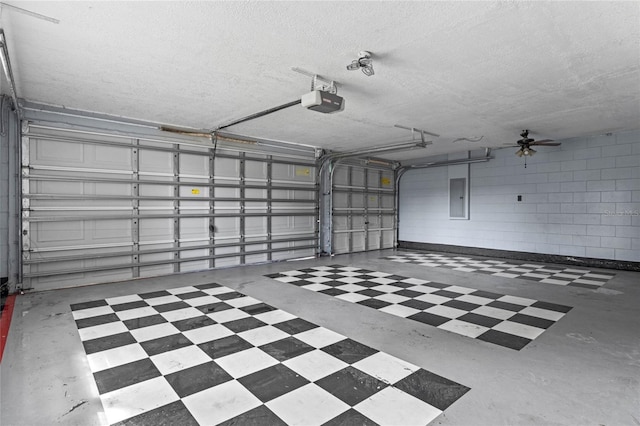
(382, 280)
(492, 312)
(218, 290)
(102, 330)
(517, 300)
(315, 365)
(385, 367)
(123, 299)
(349, 280)
(542, 313)
(518, 329)
(180, 314)
(121, 355)
(320, 337)
(92, 312)
(228, 315)
(263, 335)
(556, 282)
(352, 297)
(505, 275)
(445, 311)
(180, 290)
(378, 274)
(464, 328)
(136, 313)
(162, 300)
(179, 359)
(391, 298)
(592, 282)
(318, 280)
(223, 402)
(474, 299)
(459, 289)
(414, 281)
(207, 334)
(387, 288)
(274, 317)
(423, 289)
(433, 298)
(399, 310)
(287, 279)
(307, 405)
(391, 406)
(154, 331)
(201, 301)
(316, 287)
(245, 362)
(137, 399)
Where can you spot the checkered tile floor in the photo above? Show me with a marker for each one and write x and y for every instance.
(507, 321)
(210, 355)
(528, 271)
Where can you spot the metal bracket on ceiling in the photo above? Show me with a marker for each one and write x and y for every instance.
(332, 84)
(415, 129)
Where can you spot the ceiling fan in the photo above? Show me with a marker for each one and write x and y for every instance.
(525, 145)
(364, 63)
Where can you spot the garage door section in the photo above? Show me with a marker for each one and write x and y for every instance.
(101, 207)
(363, 208)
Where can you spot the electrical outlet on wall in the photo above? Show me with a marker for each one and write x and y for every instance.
(519, 197)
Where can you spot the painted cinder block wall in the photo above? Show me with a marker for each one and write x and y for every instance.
(579, 199)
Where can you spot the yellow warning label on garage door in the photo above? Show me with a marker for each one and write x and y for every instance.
(303, 171)
(195, 191)
(385, 181)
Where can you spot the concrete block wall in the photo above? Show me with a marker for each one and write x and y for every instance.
(579, 199)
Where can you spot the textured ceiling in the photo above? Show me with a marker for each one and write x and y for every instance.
(459, 69)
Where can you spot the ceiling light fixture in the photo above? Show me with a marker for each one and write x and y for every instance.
(364, 62)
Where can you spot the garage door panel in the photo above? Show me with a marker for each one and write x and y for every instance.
(363, 206)
(155, 200)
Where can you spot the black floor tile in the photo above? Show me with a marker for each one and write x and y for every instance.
(260, 416)
(171, 306)
(163, 344)
(87, 305)
(195, 379)
(244, 324)
(374, 303)
(349, 351)
(446, 293)
(192, 295)
(370, 292)
(504, 339)
(98, 320)
(129, 305)
(207, 286)
(171, 414)
(147, 321)
(428, 318)
(154, 294)
(480, 319)
(125, 375)
(287, 348)
(459, 304)
(432, 389)
(532, 321)
(230, 295)
(108, 342)
(193, 323)
(408, 293)
(552, 307)
(506, 306)
(258, 308)
(225, 346)
(351, 418)
(213, 307)
(351, 385)
(332, 291)
(272, 382)
(486, 294)
(295, 326)
(417, 304)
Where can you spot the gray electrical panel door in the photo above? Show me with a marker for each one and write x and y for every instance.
(363, 209)
(100, 207)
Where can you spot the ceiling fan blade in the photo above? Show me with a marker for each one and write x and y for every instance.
(546, 143)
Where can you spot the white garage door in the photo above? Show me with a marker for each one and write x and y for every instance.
(363, 209)
(101, 207)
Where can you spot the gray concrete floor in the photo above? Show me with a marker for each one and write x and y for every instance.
(584, 370)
